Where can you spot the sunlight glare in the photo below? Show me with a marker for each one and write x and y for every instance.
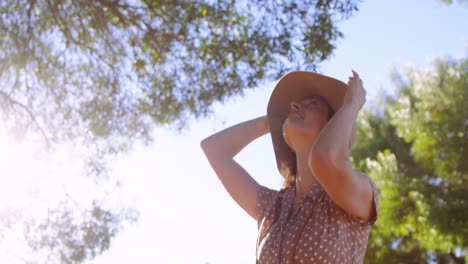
(18, 169)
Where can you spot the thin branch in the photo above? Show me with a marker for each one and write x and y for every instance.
(31, 115)
(72, 200)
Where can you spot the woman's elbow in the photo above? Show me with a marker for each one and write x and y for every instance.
(203, 143)
(206, 146)
(324, 159)
(212, 148)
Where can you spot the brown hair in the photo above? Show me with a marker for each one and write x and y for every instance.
(290, 174)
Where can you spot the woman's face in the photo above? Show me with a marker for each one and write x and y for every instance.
(305, 121)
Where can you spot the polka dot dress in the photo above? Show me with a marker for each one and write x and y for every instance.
(318, 231)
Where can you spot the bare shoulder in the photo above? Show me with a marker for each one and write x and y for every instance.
(364, 180)
(365, 191)
(355, 195)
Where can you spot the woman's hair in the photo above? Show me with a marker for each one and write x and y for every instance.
(290, 173)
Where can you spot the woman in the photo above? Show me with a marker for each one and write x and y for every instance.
(325, 209)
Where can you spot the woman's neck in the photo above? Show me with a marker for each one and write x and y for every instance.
(304, 176)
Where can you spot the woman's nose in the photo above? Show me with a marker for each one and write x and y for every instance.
(295, 106)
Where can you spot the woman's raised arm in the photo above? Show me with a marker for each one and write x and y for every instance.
(329, 157)
(222, 147)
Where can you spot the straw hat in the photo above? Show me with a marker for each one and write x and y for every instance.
(296, 86)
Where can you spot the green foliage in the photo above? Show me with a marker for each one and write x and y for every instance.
(431, 114)
(65, 237)
(103, 73)
(112, 69)
(416, 151)
(449, 2)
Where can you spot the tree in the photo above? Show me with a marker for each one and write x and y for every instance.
(64, 237)
(449, 2)
(416, 151)
(74, 239)
(102, 73)
(107, 71)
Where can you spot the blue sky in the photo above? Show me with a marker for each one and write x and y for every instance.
(186, 215)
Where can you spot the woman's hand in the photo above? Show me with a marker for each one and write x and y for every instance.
(356, 94)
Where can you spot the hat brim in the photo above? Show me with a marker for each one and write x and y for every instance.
(295, 86)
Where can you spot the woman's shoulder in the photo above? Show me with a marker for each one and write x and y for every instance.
(346, 216)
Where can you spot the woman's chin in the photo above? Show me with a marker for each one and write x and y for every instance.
(299, 136)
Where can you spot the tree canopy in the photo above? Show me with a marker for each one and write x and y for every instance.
(108, 71)
(416, 151)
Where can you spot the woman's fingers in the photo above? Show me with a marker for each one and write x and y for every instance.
(354, 78)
